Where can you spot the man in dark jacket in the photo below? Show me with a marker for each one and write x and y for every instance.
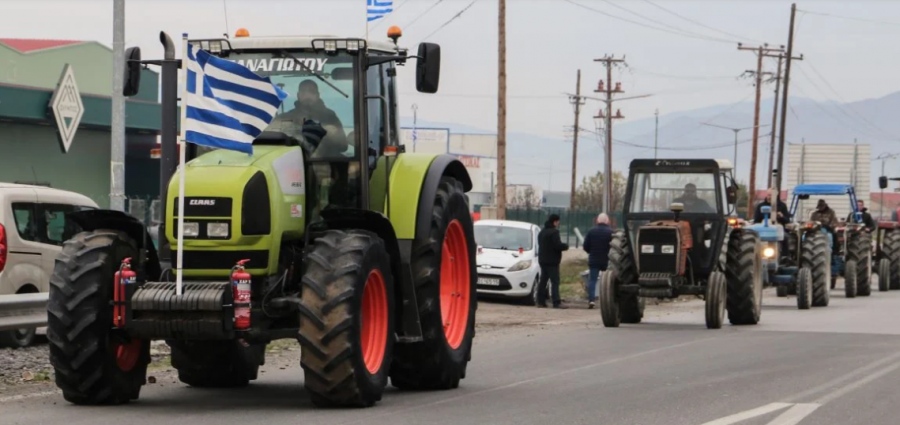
(781, 215)
(550, 248)
(596, 244)
(866, 217)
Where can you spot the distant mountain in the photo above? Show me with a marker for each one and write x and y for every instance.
(546, 162)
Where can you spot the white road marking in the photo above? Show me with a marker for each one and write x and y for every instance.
(748, 414)
(856, 384)
(795, 414)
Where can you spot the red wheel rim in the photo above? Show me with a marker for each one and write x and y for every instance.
(455, 284)
(128, 354)
(373, 331)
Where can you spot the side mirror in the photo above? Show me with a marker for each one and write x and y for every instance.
(731, 194)
(428, 68)
(132, 80)
(882, 182)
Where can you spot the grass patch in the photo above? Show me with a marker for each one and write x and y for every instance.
(570, 279)
(161, 363)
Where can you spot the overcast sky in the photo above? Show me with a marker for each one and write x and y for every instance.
(670, 46)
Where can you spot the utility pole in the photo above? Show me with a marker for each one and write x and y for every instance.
(784, 97)
(656, 135)
(760, 51)
(609, 62)
(774, 120)
(117, 117)
(501, 114)
(577, 101)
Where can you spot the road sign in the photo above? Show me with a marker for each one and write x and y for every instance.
(67, 107)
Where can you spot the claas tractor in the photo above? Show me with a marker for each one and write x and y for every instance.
(328, 233)
(850, 241)
(803, 268)
(681, 238)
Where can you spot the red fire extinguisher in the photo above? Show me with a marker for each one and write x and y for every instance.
(240, 285)
(125, 276)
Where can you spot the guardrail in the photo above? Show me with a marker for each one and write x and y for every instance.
(23, 311)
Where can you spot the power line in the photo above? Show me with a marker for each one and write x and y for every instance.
(457, 15)
(416, 19)
(850, 18)
(683, 77)
(701, 24)
(672, 27)
(394, 11)
(699, 37)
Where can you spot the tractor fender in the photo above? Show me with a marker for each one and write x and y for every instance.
(443, 165)
(377, 223)
(91, 220)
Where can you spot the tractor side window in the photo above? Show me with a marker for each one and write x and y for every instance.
(388, 73)
(376, 117)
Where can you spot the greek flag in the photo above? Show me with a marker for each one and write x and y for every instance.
(377, 9)
(227, 105)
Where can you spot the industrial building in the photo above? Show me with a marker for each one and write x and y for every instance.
(55, 113)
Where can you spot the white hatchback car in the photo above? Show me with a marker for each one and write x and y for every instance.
(33, 227)
(507, 260)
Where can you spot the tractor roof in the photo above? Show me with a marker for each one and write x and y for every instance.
(675, 164)
(299, 42)
(823, 189)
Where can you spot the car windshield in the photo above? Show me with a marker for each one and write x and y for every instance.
(503, 237)
(319, 88)
(655, 192)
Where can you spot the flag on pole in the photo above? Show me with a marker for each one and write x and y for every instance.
(227, 105)
(377, 9)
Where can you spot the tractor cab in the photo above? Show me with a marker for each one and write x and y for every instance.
(805, 191)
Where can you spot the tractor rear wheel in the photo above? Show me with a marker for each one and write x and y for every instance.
(744, 278)
(859, 248)
(216, 364)
(891, 248)
(817, 257)
(94, 364)
(715, 300)
(444, 274)
(630, 306)
(804, 288)
(346, 319)
(609, 308)
(850, 276)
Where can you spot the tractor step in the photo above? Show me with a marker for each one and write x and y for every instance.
(204, 311)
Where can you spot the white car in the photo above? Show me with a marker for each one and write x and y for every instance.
(507, 260)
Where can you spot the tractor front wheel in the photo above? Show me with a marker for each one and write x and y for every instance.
(94, 364)
(816, 256)
(850, 276)
(444, 274)
(715, 300)
(891, 248)
(609, 308)
(884, 275)
(859, 248)
(347, 319)
(744, 279)
(216, 364)
(804, 288)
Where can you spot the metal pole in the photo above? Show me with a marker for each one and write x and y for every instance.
(117, 122)
(168, 161)
(577, 100)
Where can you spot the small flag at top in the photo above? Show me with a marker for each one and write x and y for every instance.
(377, 9)
(227, 104)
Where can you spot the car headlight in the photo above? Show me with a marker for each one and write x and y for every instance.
(217, 230)
(191, 230)
(768, 252)
(521, 265)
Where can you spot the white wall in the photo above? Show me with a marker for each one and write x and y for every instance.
(828, 163)
(428, 140)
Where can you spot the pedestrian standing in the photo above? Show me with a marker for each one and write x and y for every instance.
(596, 244)
(550, 248)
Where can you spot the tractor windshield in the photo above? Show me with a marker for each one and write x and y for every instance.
(320, 88)
(655, 192)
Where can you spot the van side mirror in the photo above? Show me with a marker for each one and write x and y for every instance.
(132, 80)
(428, 68)
(882, 182)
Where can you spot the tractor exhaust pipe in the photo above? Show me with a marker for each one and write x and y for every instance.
(168, 161)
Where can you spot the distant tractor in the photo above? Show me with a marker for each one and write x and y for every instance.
(804, 268)
(851, 242)
(680, 240)
(328, 234)
(887, 248)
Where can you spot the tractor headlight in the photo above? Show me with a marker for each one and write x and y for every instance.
(668, 249)
(191, 230)
(217, 230)
(768, 252)
(521, 265)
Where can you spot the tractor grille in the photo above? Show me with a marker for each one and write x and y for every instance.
(651, 244)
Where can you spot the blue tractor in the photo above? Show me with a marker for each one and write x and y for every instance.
(850, 241)
(802, 268)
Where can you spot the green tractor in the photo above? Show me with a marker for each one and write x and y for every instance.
(361, 252)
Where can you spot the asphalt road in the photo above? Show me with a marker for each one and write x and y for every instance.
(833, 365)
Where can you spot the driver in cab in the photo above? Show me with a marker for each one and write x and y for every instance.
(691, 202)
(320, 125)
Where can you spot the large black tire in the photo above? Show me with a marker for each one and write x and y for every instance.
(216, 364)
(715, 300)
(334, 320)
(609, 307)
(817, 257)
(631, 306)
(83, 346)
(435, 363)
(744, 278)
(891, 248)
(804, 288)
(884, 275)
(850, 276)
(859, 248)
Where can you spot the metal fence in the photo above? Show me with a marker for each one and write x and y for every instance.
(21, 311)
(571, 222)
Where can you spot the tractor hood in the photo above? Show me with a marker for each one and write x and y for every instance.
(770, 233)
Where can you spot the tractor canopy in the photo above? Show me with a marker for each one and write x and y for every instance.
(804, 191)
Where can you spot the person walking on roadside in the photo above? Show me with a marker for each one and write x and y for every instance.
(550, 248)
(596, 244)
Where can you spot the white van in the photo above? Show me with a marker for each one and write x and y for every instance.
(33, 228)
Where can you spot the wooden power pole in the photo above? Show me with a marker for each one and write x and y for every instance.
(774, 120)
(577, 101)
(784, 97)
(609, 62)
(760, 51)
(501, 114)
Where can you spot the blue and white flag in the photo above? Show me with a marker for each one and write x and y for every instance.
(227, 105)
(377, 9)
